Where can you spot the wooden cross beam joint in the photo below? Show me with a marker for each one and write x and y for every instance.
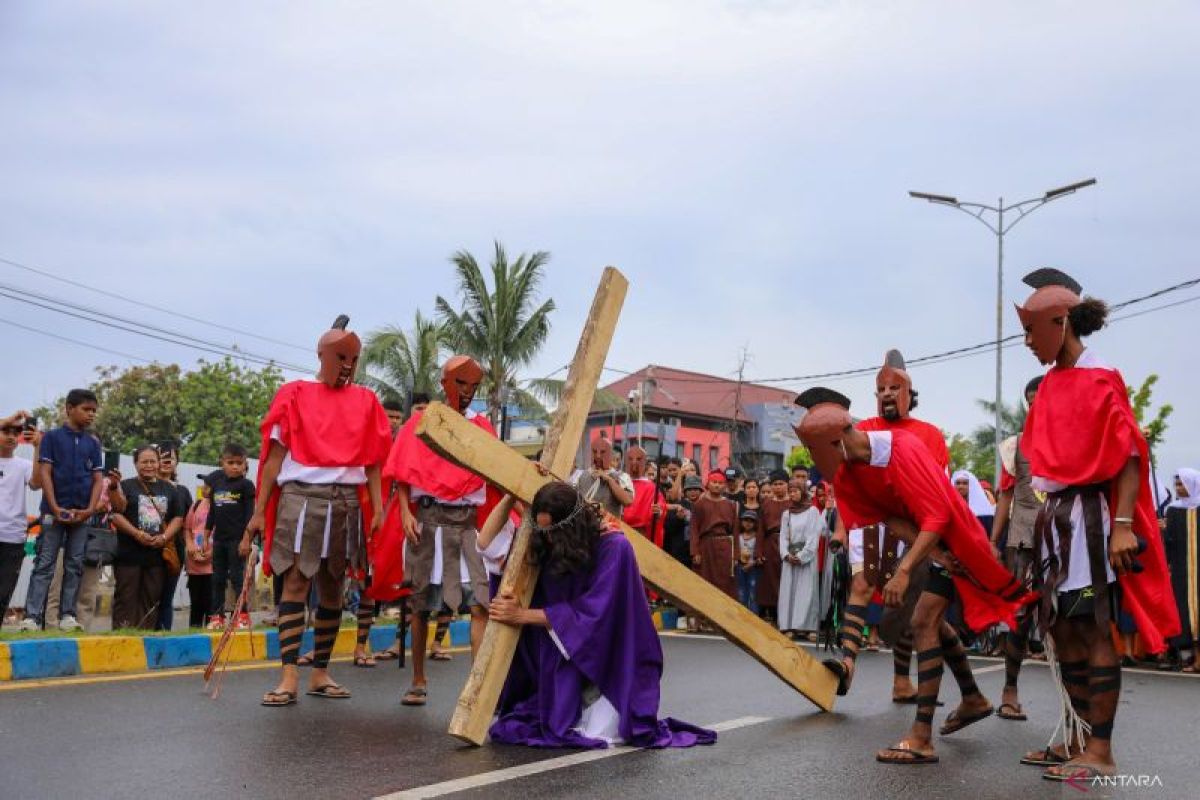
(450, 435)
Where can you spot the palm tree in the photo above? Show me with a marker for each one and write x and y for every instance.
(399, 363)
(500, 327)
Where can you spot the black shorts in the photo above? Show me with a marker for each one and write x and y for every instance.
(1082, 603)
(940, 582)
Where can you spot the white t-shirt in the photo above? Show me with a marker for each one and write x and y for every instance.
(293, 470)
(15, 474)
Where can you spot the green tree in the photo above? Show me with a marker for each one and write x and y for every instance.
(398, 363)
(799, 457)
(982, 454)
(224, 402)
(1154, 427)
(202, 409)
(502, 327)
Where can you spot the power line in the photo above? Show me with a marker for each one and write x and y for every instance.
(141, 329)
(946, 355)
(74, 341)
(143, 304)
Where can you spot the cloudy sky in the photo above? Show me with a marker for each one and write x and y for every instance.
(745, 164)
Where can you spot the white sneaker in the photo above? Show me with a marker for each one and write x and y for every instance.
(69, 623)
(29, 624)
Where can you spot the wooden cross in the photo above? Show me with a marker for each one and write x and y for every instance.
(448, 433)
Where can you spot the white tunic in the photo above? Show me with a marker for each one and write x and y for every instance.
(800, 535)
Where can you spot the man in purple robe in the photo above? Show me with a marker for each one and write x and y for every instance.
(588, 664)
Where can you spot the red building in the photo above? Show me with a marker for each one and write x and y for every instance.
(711, 420)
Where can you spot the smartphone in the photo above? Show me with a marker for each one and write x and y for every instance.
(31, 423)
(112, 460)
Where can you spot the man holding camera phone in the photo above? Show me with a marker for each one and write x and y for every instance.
(16, 474)
(71, 471)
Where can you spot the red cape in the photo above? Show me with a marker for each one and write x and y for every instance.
(1082, 430)
(930, 435)
(638, 514)
(324, 427)
(914, 487)
(386, 554)
(413, 462)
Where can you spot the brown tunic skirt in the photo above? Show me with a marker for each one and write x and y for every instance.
(716, 562)
(768, 577)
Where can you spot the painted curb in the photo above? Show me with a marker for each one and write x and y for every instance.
(97, 655)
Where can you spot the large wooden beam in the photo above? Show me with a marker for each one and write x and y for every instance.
(461, 442)
(477, 702)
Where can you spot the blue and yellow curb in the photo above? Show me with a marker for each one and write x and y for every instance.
(24, 659)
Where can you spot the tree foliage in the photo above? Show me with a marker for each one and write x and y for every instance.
(215, 403)
(501, 326)
(398, 363)
(1154, 427)
(799, 457)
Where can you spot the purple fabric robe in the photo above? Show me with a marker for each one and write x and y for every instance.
(602, 620)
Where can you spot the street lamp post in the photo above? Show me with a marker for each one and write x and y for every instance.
(980, 211)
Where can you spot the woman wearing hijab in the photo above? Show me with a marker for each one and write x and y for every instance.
(1183, 559)
(802, 528)
(972, 491)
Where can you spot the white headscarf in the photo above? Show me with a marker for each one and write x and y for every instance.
(977, 498)
(1190, 478)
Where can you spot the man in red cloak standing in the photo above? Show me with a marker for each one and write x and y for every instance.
(447, 500)
(323, 447)
(890, 476)
(1098, 539)
(647, 513)
(895, 399)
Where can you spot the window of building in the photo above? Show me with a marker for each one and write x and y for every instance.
(714, 455)
(698, 455)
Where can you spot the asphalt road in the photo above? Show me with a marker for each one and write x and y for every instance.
(163, 737)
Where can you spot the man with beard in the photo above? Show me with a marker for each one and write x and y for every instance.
(440, 535)
(323, 446)
(895, 400)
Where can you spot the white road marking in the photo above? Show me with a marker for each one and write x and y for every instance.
(550, 764)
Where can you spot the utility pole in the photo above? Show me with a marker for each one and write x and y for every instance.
(999, 228)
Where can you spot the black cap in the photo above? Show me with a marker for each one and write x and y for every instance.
(732, 473)
(748, 513)
(819, 394)
(692, 482)
(1048, 276)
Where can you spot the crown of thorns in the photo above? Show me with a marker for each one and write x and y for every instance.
(580, 507)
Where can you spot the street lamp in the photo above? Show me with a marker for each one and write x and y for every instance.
(980, 211)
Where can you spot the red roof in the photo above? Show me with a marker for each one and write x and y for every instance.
(680, 392)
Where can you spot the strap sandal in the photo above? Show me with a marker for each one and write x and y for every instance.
(387, 655)
(279, 699)
(903, 753)
(415, 696)
(1011, 711)
(911, 700)
(331, 691)
(365, 662)
(1046, 757)
(440, 655)
(956, 722)
(1077, 774)
(839, 668)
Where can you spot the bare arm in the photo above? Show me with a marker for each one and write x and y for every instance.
(506, 609)
(46, 476)
(495, 521)
(375, 490)
(619, 493)
(1123, 544)
(35, 477)
(1003, 513)
(270, 476)
(412, 531)
(94, 500)
(116, 496)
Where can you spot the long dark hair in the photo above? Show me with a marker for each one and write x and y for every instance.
(568, 545)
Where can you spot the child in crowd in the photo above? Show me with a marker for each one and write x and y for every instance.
(16, 474)
(231, 504)
(746, 567)
(199, 558)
